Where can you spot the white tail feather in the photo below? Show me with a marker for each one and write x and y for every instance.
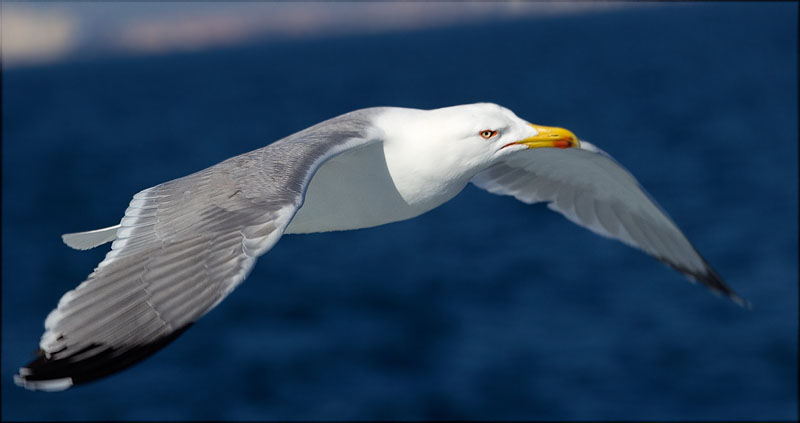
(90, 239)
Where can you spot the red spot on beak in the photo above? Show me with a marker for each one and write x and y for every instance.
(562, 144)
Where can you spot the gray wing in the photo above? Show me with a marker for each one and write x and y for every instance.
(592, 190)
(181, 248)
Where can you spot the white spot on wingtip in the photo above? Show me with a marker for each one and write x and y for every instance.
(43, 385)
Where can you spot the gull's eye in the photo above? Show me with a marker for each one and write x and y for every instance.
(488, 133)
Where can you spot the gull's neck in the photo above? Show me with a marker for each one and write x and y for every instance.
(425, 172)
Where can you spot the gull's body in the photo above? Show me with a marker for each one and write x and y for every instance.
(185, 244)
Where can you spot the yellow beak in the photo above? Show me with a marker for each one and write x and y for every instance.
(550, 137)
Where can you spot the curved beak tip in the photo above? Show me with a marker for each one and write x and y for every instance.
(550, 137)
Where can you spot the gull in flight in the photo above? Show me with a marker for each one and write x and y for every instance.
(185, 244)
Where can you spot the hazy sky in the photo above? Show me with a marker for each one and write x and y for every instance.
(46, 32)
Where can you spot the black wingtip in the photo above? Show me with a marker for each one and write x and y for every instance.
(711, 280)
(714, 282)
(88, 364)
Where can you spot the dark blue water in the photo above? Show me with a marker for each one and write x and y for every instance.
(482, 309)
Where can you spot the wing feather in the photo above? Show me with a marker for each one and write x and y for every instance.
(90, 239)
(181, 247)
(592, 190)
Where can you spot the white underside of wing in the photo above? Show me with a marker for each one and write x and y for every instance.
(353, 190)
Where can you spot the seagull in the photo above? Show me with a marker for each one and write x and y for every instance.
(184, 245)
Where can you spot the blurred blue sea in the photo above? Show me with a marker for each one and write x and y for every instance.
(482, 309)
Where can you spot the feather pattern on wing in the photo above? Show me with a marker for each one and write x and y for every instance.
(592, 190)
(180, 249)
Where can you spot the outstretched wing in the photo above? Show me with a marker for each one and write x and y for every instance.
(181, 248)
(592, 190)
